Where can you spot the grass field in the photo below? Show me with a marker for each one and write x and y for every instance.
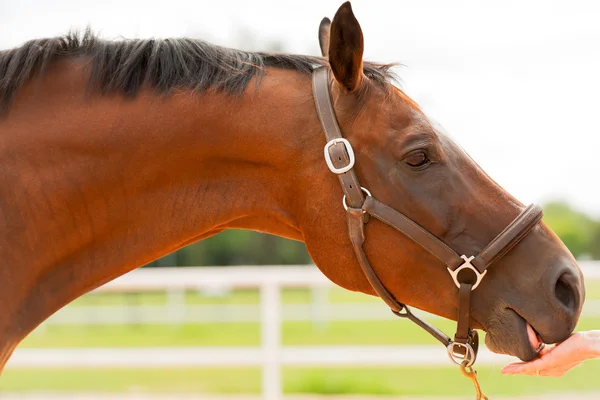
(385, 381)
(419, 381)
(243, 334)
(392, 381)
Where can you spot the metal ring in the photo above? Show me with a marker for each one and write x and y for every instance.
(404, 313)
(467, 265)
(458, 358)
(344, 198)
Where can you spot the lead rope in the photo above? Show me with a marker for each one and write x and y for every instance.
(470, 373)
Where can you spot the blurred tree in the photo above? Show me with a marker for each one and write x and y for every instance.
(579, 232)
(238, 247)
(595, 244)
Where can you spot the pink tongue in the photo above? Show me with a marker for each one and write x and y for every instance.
(533, 339)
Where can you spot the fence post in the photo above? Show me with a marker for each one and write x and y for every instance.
(319, 303)
(270, 304)
(175, 306)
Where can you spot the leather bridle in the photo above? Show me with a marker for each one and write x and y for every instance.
(360, 204)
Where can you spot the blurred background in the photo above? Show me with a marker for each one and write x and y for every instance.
(516, 83)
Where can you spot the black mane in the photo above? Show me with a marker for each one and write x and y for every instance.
(165, 64)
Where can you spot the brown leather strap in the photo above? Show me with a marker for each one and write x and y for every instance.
(463, 330)
(337, 152)
(357, 237)
(324, 105)
(348, 180)
(464, 334)
(408, 227)
(432, 330)
(509, 237)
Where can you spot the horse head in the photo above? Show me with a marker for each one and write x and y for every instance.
(531, 295)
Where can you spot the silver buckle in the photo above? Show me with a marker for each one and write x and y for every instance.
(467, 265)
(458, 358)
(329, 161)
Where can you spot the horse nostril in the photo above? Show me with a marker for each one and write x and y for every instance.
(565, 293)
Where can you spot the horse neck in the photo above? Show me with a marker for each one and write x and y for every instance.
(110, 184)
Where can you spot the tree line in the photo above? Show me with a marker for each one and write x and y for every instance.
(579, 232)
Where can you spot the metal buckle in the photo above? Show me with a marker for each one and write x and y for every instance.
(458, 358)
(344, 198)
(329, 161)
(467, 265)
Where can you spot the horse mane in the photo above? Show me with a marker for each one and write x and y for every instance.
(164, 64)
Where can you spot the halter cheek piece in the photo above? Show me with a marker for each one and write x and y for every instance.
(466, 272)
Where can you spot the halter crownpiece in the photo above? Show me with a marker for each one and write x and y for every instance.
(359, 204)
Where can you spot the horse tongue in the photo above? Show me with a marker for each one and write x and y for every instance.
(534, 339)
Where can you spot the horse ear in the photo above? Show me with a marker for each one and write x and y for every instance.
(324, 36)
(346, 48)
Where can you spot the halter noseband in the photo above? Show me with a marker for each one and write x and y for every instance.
(360, 204)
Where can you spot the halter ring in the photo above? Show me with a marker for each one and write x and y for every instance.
(344, 198)
(467, 265)
(458, 358)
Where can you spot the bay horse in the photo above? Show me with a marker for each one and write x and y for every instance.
(115, 153)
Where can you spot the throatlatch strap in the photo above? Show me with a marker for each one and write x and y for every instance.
(357, 237)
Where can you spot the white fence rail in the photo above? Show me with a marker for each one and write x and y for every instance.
(271, 355)
(219, 281)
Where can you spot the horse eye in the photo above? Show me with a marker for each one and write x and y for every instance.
(417, 159)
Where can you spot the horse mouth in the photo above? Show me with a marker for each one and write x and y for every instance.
(535, 340)
(515, 336)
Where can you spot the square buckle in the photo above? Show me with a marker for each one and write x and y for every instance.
(329, 161)
(459, 352)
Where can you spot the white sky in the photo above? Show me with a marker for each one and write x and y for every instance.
(516, 83)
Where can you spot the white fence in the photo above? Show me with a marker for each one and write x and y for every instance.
(271, 355)
(219, 281)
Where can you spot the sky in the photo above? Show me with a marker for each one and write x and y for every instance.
(516, 83)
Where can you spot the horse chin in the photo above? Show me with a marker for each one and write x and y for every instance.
(511, 334)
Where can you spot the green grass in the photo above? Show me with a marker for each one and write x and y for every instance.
(592, 290)
(231, 334)
(243, 334)
(389, 381)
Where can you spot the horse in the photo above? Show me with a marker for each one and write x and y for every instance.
(115, 153)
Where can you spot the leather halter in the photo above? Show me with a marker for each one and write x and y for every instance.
(359, 204)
